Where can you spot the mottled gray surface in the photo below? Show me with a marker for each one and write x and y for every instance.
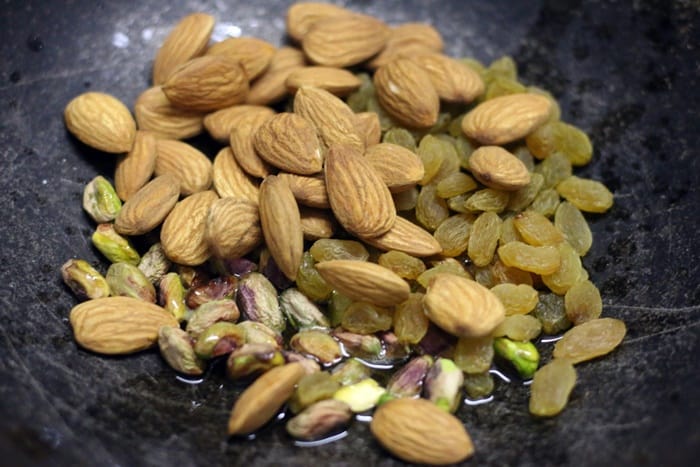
(627, 72)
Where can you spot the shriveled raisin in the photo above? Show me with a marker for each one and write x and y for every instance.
(519, 327)
(403, 264)
(570, 221)
(536, 229)
(590, 340)
(487, 199)
(431, 210)
(474, 354)
(453, 234)
(586, 194)
(550, 311)
(410, 322)
(537, 259)
(327, 249)
(484, 238)
(582, 302)
(569, 272)
(517, 299)
(366, 318)
(455, 184)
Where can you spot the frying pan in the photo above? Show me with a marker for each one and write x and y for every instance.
(625, 72)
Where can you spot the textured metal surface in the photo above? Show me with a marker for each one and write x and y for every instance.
(626, 72)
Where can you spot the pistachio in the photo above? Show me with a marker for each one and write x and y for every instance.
(312, 388)
(100, 200)
(319, 419)
(310, 365)
(239, 266)
(253, 359)
(393, 348)
(300, 311)
(359, 345)
(523, 355)
(154, 264)
(443, 385)
(408, 381)
(113, 246)
(350, 371)
(215, 289)
(171, 295)
(176, 348)
(219, 339)
(210, 313)
(126, 280)
(192, 276)
(317, 344)
(257, 299)
(258, 333)
(360, 396)
(84, 280)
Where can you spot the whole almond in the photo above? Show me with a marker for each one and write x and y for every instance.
(207, 83)
(462, 307)
(233, 228)
(398, 167)
(281, 225)
(135, 169)
(302, 15)
(289, 142)
(343, 41)
(155, 113)
(316, 223)
(417, 431)
(454, 81)
(333, 120)
(148, 207)
(407, 237)
(407, 93)
(365, 281)
(309, 191)
(337, 81)
(230, 180)
(243, 147)
(118, 325)
(359, 198)
(187, 40)
(262, 400)
(505, 119)
(188, 164)
(497, 168)
(253, 54)
(183, 233)
(270, 86)
(101, 121)
(219, 124)
(405, 39)
(368, 125)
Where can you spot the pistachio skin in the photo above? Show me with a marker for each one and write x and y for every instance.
(84, 280)
(126, 280)
(100, 200)
(114, 247)
(522, 355)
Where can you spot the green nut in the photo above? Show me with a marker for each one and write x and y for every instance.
(176, 348)
(210, 313)
(522, 355)
(171, 295)
(312, 388)
(350, 371)
(219, 339)
(443, 385)
(337, 305)
(258, 333)
(359, 345)
(408, 381)
(154, 264)
(84, 280)
(252, 359)
(257, 300)
(319, 419)
(300, 311)
(100, 200)
(360, 396)
(113, 246)
(318, 344)
(126, 280)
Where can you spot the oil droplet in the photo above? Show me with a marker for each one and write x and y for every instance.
(35, 43)
(322, 441)
(474, 402)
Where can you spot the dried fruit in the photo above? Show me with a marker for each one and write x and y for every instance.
(399, 168)
(230, 180)
(187, 40)
(113, 246)
(157, 115)
(136, 168)
(101, 121)
(582, 302)
(497, 168)
(537, 259)
(84, 280)
(453, 80)
(126, 280)
(252, 53)
(361, 280)
(189, 165)
(337, 81)
(183, 233)
(149, 206)
(232, 228)
(176, 348)
(100, 200)
(590, 339)
(288, 142)
(587, 195)
(522, 355)
(319, 419)
(550, 388)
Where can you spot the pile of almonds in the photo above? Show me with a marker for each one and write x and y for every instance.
(300, 167)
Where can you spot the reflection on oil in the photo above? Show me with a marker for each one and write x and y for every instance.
(474, 402)
(322, 441)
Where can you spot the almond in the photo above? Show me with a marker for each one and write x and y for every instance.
(309, 191)
(149, 206)
(253, 54)
(270, 87)
(183, 233)
(359, 198)
(497, 168)
(407, 93)
(343, 41)
(417, 431)
(207, 83)
(242, 144)
(408, 237)
(101, 121)
(301, 16)
(316, 223)
(219, 124)
(289, 142)
(233, 228)
(188, 164)
(337, 81)
(281, 225)
(405, 39)
(398, 167)
(155, 113)
(187, 40)
(230, 180)
(462, 307)
(333, 120)
(118, 325)
(367, 124)
(364, 281)
(135, 169)
(454, 81)
(505, 119)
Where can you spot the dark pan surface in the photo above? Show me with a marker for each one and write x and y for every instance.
(626, 72)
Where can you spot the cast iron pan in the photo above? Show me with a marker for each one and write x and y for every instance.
(626, 72)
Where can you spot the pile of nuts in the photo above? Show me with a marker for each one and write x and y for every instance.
(419, 211)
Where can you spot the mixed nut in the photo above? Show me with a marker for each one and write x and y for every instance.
(411, 219)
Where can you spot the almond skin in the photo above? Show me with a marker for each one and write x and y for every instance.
(135, 169)
(230, 179)
(309, 191)
(404, 40)
(505, 119)
(101, 121)
(281, 225)
(454, 81)
(337, 81)
(317, 223)
(155, 113)
(270, 86)
(183, 233)
(369, 126)
(302, 15)
(407, 237)
(398, 167)
(207, 83)
(187, 40)
(359, 198)
(497, 168)
(253, 54)
(149, 206)
(233, 228)
(365, 281)
(243, 147)
(289, 142)
(407, 93)
(188, 164)
(219, 124)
